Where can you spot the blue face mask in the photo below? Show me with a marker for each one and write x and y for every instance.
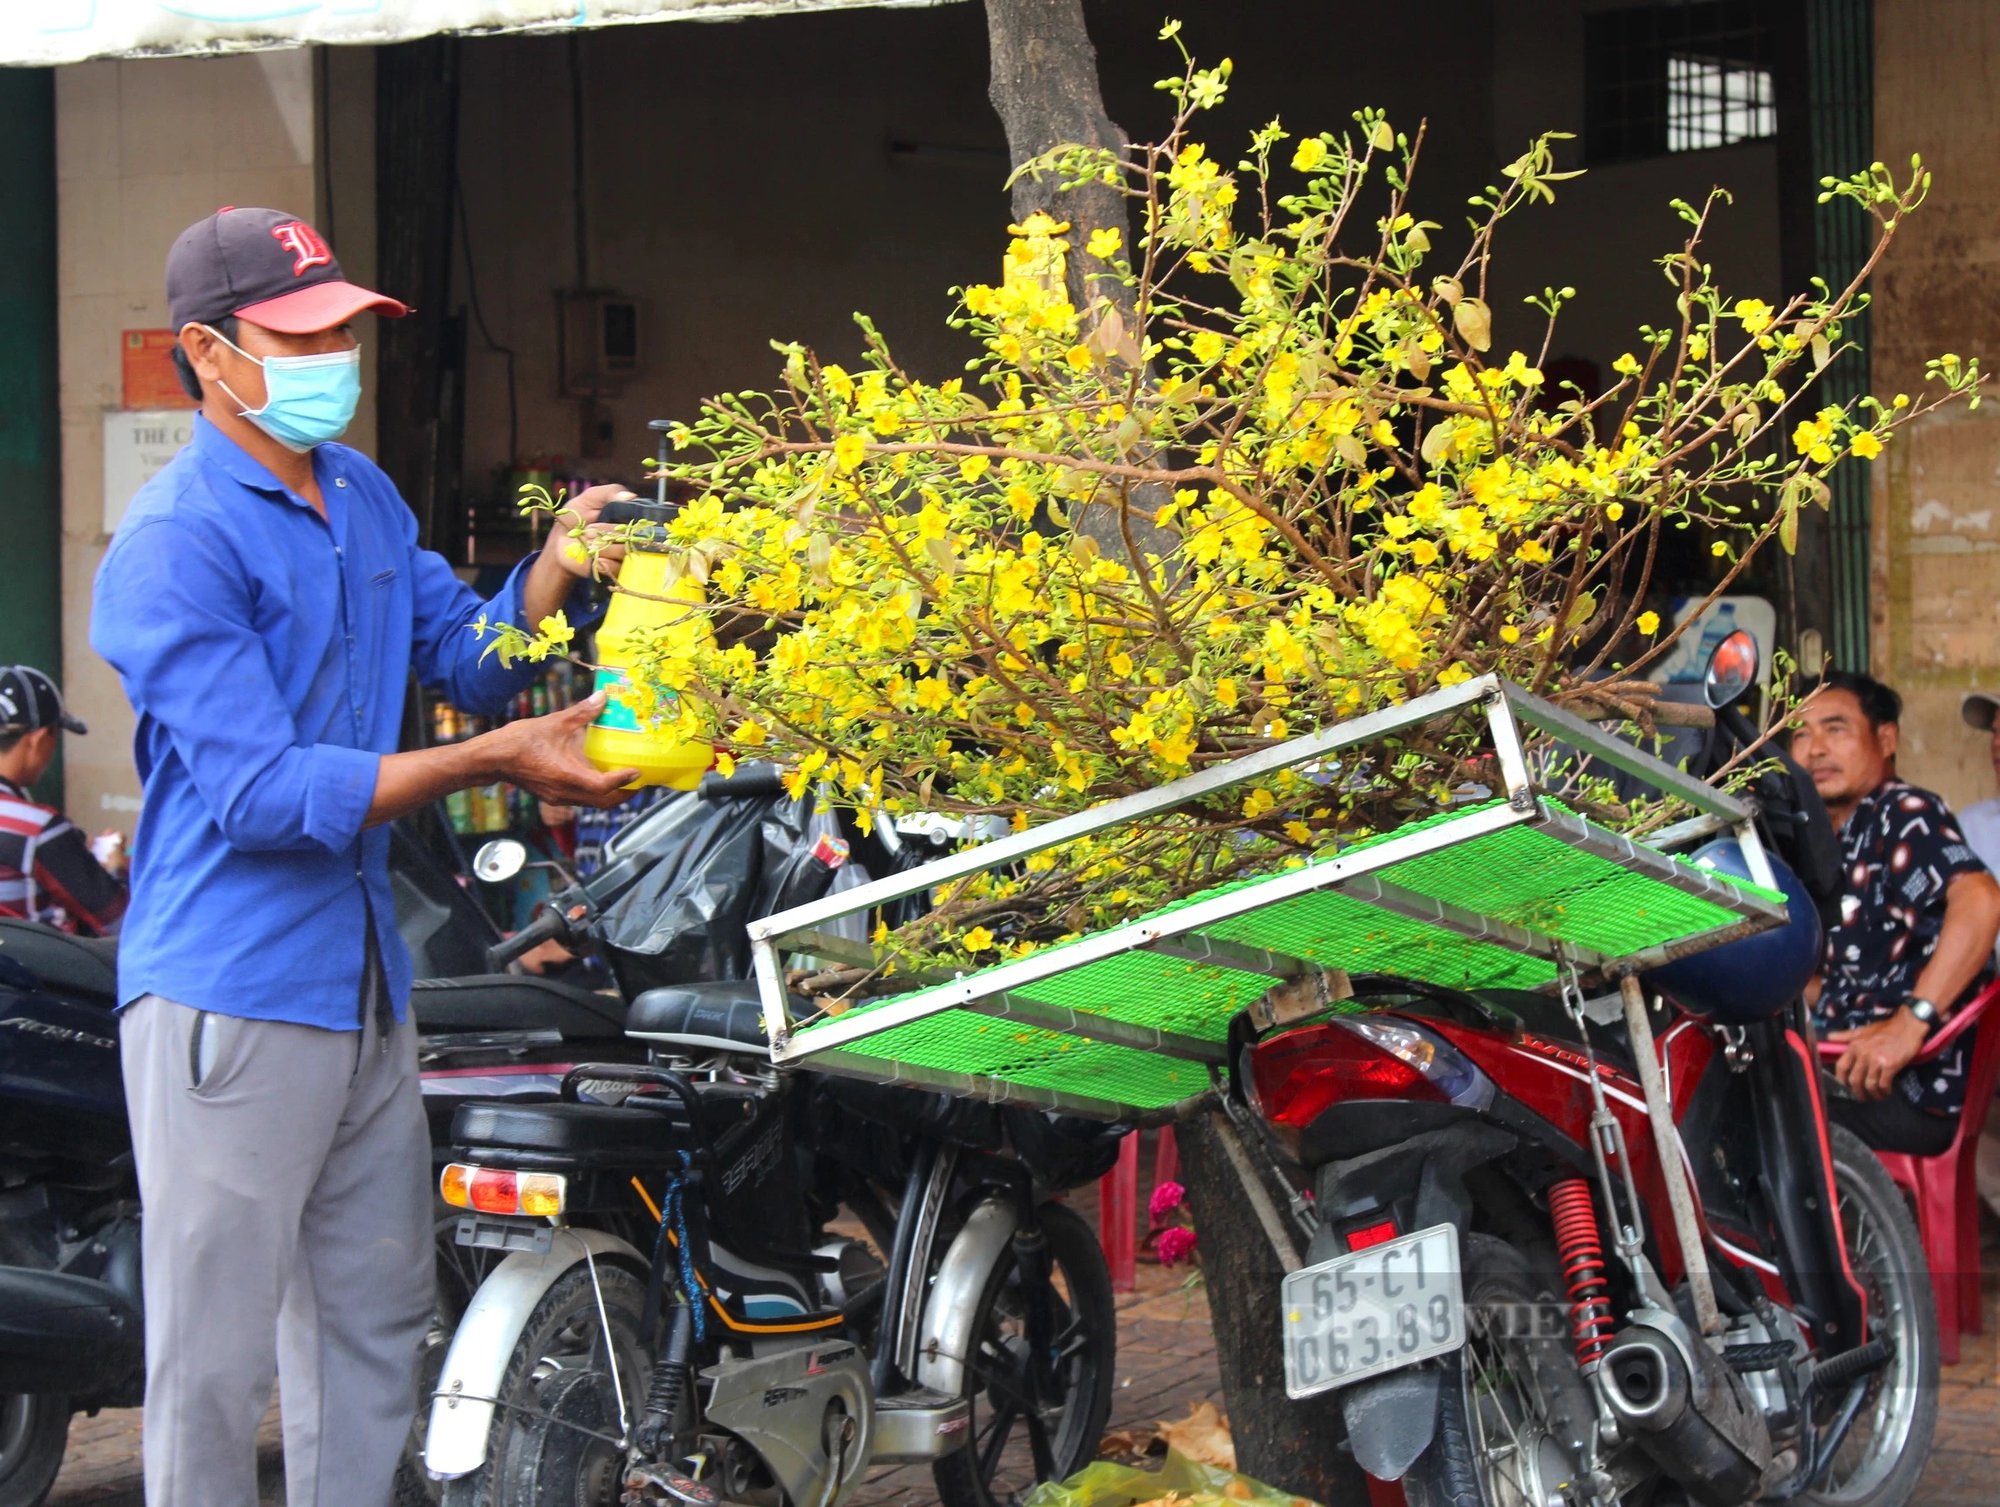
(308, 400)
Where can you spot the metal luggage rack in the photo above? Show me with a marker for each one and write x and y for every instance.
(1127, 1023)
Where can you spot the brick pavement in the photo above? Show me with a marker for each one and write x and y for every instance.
(1166, 1363)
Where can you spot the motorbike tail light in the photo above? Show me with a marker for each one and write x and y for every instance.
(1301, 1073)
(1360, 1238)
(493, 1190)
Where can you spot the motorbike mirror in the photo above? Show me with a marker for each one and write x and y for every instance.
(1732, 670)
(499, 860)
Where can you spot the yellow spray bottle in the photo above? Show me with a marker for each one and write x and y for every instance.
(645, 612)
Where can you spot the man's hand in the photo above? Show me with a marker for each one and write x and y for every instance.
(578, 521)
(544, 756)
(1877, 1052)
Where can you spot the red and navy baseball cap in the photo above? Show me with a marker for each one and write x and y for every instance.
(265, 266)
(29, 699)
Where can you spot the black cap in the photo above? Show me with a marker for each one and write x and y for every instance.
(270, 267)
(1978, 709)
(29, 699)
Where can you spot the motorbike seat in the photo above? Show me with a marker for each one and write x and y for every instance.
(63, 963)
(703, 1017)
(566, 1135)
(514, 1002)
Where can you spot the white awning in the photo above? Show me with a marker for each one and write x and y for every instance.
(41, 32)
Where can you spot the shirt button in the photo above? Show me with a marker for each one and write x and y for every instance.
(340, 481)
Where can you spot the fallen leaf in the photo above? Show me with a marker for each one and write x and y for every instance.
(1118, 1442)
(1202, 1436)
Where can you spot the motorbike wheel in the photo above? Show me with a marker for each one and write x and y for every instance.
(1507, 1396)
(33, 1434)
(997, 1466)
(557, 1393)
(1878, 1464)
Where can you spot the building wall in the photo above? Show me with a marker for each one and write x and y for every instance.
(1936, 509)
(766, 179)
(143, 149)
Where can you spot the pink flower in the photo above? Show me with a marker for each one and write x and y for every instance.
(1176, 1244)
(1166, 1198)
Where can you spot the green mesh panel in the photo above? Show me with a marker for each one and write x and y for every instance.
(964, 1042)
(1523, 875)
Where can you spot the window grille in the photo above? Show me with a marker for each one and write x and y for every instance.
(1677, 78)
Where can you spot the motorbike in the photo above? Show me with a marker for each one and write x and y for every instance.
(1679, 1281)
(716, 1281)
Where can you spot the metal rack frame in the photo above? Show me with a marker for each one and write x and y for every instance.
(993, 990)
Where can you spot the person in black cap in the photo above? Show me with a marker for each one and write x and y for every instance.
(47, 871)
(265, 601)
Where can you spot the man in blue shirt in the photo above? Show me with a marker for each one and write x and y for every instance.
(264, 603)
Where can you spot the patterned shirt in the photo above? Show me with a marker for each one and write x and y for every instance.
(1901, 849)
(47, 871)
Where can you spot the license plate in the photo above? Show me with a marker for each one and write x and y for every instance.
(1372, 1310)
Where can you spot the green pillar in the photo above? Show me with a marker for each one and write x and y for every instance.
(30, 428)
(1841, 63)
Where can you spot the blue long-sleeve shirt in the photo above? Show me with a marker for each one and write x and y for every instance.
(267, 652)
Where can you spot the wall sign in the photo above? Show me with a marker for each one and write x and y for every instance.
(146, 360)
(137, 446)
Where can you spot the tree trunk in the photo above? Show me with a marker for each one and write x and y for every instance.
(1291, 1445)
(1046, 91)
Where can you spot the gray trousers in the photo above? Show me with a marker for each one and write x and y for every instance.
(285, 1177)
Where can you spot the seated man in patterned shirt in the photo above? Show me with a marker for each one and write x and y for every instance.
(1918, 913)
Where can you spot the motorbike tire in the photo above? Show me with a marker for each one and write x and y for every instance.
(1457, 1470)
(1883, 1456)
(34, 1431)
(985, 1472)
(531, 1462)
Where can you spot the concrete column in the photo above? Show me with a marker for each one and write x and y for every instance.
(1936, 556)
(143, 149)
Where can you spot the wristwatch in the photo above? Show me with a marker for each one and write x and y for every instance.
(1924, 1011)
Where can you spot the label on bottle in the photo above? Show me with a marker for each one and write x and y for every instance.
(618, 714)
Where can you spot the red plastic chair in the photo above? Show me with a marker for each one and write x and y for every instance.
(1943, 1186)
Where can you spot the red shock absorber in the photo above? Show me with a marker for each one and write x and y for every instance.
(1582, 1267)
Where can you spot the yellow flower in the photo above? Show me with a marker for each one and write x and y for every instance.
(1649, 623)
(1615, 511)
(1257, 803)
(1423, 551)
(1225, 692)
(1755, 314)
(1121, 663)
(1719, 548)
(1078, 358)
(848, 450)
(1207, 347)
(1452, 674)
(1510, 634)
(1311, 153)
(1106, 243)
(1626, 365)
(979, 939)
(1299, 833)
(973, 467)
(1532, 552)
(1866, 445)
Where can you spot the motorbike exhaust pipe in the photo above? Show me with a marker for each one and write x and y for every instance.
(1689, 1412)
(1645, 1382)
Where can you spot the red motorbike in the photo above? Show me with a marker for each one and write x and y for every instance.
(1747, 1318)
